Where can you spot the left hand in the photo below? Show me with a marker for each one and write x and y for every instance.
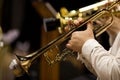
(78, 38)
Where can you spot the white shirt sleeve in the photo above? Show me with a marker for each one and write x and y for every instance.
(106, 64)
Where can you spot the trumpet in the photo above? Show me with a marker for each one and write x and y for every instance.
(85, 12)
(21, 64)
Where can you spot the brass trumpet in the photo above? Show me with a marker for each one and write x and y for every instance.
(64, 15)
(21, 64)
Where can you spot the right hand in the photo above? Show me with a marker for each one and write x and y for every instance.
(70, 23)
(113, 30)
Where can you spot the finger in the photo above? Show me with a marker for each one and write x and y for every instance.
(102, 20)
(70, 22)
(68, 46)
(90, 26)
(67, 28)
(99, 22)
(80, 20)
(76, 22)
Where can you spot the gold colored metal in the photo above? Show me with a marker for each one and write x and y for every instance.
(22, 63)
(1, 38)
(64, 16)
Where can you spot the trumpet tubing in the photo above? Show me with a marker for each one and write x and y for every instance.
(21, 64)
(85, 12)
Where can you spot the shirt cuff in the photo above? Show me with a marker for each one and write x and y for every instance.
(88, 47)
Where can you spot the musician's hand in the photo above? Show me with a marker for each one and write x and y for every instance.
(114, 29)
(78, 38)
(73, 23)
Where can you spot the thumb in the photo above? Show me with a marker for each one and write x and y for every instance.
(90, 26)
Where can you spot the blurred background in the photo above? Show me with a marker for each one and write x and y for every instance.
(24, 32)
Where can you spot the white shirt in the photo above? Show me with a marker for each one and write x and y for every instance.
(105, 64)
